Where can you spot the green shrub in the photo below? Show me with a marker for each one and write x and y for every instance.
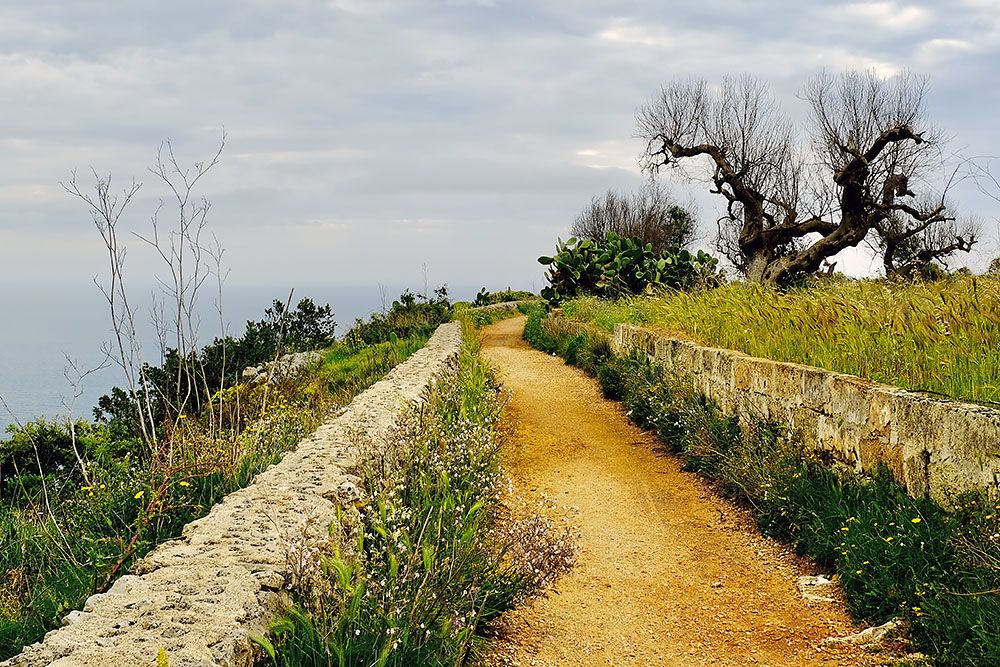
(617, 266)
(484, 298)
(218, 364)
(410, 315)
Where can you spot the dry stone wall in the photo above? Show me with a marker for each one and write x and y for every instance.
(931, 446)
(200, 597)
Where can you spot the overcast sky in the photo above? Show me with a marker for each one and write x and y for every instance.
(367, 138)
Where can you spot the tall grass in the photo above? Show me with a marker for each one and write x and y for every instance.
(61, 540)
(434, 553)
(941, 337)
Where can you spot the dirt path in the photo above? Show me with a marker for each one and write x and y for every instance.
(667, 574)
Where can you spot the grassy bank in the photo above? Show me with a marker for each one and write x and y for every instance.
(63, 538)
(895, 556)
(435, 552)
(941, 337)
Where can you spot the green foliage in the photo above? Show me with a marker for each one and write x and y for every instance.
(533, 328)
(308, 327)
(435, 556)
(941, 337)
(484, 298)
(895, 556)
(50, 445)
(410, 315)
(219, 364)
(617, 266)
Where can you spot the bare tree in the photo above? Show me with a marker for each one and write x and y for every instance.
(188, 258)
(188, 262)
(651, 215)
(792, 204)
(908, 247)
(107, 207)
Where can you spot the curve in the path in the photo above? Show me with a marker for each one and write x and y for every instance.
(667, 574)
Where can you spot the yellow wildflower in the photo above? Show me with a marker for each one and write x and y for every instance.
(139, 495)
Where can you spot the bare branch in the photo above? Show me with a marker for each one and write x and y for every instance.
(792, 204)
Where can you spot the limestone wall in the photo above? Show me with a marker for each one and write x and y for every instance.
(931, 446)
(201, 596)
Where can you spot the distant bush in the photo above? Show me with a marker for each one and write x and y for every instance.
(484, 298)
(187, 384)
(44, 446)
(410, 315)
(619, 266)
(650, 215)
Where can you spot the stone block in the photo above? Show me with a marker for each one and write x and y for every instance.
(743, 372)
(816, 388)
(762, 375)
(850, 399)
(788, 379)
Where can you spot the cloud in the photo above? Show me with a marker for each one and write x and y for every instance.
(884, 15)
(384, 134)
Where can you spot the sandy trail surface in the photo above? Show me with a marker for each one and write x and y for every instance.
(667, 573)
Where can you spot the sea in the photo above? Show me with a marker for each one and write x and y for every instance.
(52, 334)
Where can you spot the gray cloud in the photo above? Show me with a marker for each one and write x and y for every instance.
(367, 138)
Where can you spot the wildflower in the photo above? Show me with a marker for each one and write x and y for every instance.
(185, 483)
(915, 519)
(139, 495)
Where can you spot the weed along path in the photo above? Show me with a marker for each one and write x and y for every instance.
(667, 573)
